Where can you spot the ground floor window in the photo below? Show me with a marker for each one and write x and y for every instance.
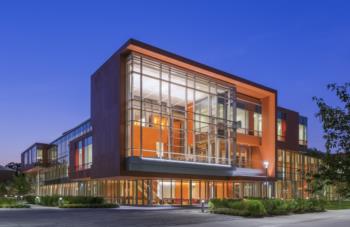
(140, 191)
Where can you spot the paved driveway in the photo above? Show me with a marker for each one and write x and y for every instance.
(178, 217)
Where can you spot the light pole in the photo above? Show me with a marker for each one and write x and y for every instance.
(266, 166)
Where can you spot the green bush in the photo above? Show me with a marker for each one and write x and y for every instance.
(105, 205)
(291, 205)
(216, 203)
(310, 205)
(83, 200)
(317, 205)
(30, 199)
(54, 200)
(50, 201)
(229, 211)
(254, 208)
(8, 201)
(19, 205)
(260, 208)
(336, 205)
(11, 203)
(276, 206)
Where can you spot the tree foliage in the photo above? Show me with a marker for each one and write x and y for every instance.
(19, 185)
(335, 168)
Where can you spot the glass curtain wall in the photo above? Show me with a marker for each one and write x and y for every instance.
(59, 152)
(140, 191)
(302, 130)
(293, 169)
(176, 115)
(249, 118)
(281, 126)
(33, 155)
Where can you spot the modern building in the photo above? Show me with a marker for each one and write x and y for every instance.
(165, 129)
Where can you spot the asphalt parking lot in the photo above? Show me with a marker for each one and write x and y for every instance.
(160, 217)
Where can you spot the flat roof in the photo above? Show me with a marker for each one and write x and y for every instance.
(192, 62)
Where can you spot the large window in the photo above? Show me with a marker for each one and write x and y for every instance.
(83, 155)
(249, 117)
(177, 115)
(58, 153)
(257, 124)
(281, 126)
(243, 121)
(302, 130)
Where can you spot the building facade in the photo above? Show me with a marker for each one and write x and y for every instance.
(167, 130)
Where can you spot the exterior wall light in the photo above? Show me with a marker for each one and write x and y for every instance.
(60, 201)
(37, 199)
(266, 166)
(202, 205)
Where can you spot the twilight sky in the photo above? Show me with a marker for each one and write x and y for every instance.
(49, 49)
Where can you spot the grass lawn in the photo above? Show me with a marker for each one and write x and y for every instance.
(338, 205)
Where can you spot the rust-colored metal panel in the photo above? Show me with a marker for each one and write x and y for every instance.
(292, 132)
(107, 110)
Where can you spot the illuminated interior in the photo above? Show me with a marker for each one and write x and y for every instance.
(176, 115)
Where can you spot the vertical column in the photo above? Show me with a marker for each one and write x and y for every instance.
(181, 191)
(170, 117)
(211, 123)
(141, 105)
(130, 122)
(161, 151)
(194, 117)
(233, 100)
(190, 191)
(186, 121)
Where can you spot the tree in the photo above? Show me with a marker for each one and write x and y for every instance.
(335, 167)
(21, 185)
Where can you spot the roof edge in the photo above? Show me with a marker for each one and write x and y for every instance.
(192, 62)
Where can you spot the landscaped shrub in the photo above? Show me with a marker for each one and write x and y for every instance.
(89, 201)
(276, 206)
(11, 203)
(291, 205)
(216, 203)
(255, 208)
(50, 201)
(7, 201)
(229, 211)
(19, 205)
(83, 200)
(260, 208)
(30, 199)
(300, 206)
(338, 204)
(317, 205)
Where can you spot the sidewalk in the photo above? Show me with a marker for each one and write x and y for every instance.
(35, 206)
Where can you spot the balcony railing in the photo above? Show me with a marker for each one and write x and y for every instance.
(303, 142)
(84, 166)
(182, 157)
(246, 131)
(281, 138)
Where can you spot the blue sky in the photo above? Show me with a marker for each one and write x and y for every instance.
(49, 49)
